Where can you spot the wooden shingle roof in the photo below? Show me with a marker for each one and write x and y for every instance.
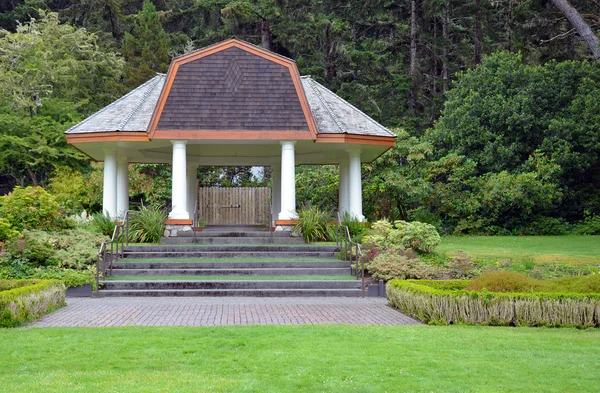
(231, 88)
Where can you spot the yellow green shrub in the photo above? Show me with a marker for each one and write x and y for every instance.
(448, 302)
(25, 300)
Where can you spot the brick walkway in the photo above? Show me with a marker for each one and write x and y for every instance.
(192, 311)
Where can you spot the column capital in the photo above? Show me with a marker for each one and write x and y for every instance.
(177, 143)
(109, 151)
(121, 159)
(353, 151)
(287, 144)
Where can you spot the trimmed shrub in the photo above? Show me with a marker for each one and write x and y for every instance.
(32, 208)
(147, 225)
(503, 281)
(391, 264)
(419, 236)
(313, 224)
(29, 299)
(447, 302)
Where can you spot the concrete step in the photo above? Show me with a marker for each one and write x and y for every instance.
(231, 265)
(234, 272)
(233, 292)
(232, 240)
(230, 284)
(229, 248)
(235, 233)
(223, 254)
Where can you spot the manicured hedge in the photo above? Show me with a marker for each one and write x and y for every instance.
(24, 300)
(447, 302)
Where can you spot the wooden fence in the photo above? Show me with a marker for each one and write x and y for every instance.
(234, 206)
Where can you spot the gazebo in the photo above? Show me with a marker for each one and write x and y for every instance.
(231, 103)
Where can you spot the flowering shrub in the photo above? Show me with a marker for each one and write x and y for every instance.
(391, 265)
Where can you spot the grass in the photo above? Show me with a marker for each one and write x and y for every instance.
(221, 278)
(219, 260)
(300, 359)
(541, 249)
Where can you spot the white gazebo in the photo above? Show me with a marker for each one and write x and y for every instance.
(231, 104)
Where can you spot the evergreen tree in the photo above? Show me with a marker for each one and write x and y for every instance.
(146, 47)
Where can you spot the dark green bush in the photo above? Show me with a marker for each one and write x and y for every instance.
(446, 302)
(589, 226)
(29, 299)
(313, 224)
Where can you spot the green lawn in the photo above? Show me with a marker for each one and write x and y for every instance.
(220, 278)
(541, 249)
(300, 359)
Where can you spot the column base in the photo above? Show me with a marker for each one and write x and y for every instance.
(174, 226)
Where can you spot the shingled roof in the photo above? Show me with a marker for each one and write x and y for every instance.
(133, 111)
(334, 115)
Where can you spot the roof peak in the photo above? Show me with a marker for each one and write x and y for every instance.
(235, 40)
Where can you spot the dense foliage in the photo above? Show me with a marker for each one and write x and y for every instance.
(495, 105)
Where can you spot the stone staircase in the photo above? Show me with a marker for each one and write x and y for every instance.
(221, 261)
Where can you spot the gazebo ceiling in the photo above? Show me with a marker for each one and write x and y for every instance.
(236, 96)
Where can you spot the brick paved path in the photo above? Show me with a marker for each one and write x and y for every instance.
(192, 311)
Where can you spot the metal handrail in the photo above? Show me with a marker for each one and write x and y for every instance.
(346, 244)
(196, 218)
(119, 238)
(272, 226)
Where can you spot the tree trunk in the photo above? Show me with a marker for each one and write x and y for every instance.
(266, 35)
(445, 36)
(579, 24)
(115, 25)
(478, 32)
(413, 68)
(33, 177)
(330, 53)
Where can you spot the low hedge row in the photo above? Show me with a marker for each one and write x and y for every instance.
(447, 302)
(24, 300)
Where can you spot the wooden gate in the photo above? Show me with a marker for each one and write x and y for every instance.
(235, 205)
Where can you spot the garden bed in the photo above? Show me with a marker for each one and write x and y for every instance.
(25, 300)
(446, 302)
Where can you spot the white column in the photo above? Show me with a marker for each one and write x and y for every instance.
(122, 185)
(192, 191)
(179, 182)
(343, 193)
(288, 182)
(354, 184)
(275, 191)
(109, 191)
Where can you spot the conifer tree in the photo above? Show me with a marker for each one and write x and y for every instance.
(145, 48)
